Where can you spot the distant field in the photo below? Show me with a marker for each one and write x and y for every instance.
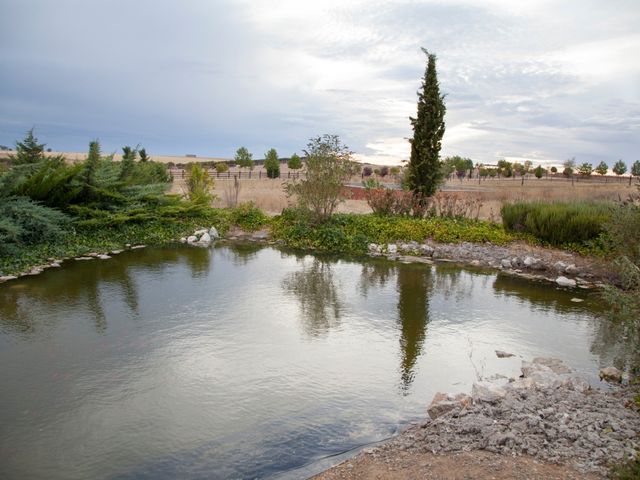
(77, 156)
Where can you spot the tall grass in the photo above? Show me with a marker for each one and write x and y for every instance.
(557, 223)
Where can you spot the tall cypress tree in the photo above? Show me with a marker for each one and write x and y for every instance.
(425, 174)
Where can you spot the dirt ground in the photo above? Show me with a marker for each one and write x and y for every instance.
(401, 465)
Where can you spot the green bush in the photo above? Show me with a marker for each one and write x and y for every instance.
(351, 233)
(25, 222)
(199, 185)
(248, 217)
(557, 223)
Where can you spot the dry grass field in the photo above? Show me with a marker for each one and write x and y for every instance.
(269, 194)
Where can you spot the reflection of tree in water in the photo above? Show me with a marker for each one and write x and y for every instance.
(84, 284)
(375, 273)
(615, 344)
(451, 283)
(241, 253)
(314, 287)
(414, 287)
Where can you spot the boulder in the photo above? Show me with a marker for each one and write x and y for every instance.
(205, 239)
(54, 264)
(572, 270)
(116, 252)
(502, 354)
(426, 250)
(505, 263)
(183, 240)
(486, 392)
(555, 364)
(374, 248)
(560, 267)
(565, 282)
(104, 257)
(443, 403)
(213, 233)
(192, 239)
(199, 233)
(6, 278)
(611, 375)
(392, 248)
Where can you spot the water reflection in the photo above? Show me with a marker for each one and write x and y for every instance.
(314, 287)
(92, 285)
(537, 295)
(375, 274)
(414, 286)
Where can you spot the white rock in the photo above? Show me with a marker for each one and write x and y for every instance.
(392, 248)
(529, 262)
(192, 239)
(560, 267)
(6, 278)
(213, 233)
(183, 239)
(577, 300)
(487, 392)
(200, 232)
(565, 282)
(505, 263)
(205, 239)
(136, 247)
(116, 252)
(426, 250)
(54, 265)
(104, 257)
(84, 258)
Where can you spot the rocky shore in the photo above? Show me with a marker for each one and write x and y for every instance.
(565, 269)
(549, 417)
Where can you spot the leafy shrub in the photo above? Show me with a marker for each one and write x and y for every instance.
(222, 167)
(557, 223)
(295, 162)
(351, 233)
(367, 171)
(25, 222)
(248, 217)
(199, 185)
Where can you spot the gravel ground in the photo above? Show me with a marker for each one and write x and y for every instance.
(546, 424)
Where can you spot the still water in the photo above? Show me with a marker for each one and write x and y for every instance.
(245, 362)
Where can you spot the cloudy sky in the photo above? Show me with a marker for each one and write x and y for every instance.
(543, 80)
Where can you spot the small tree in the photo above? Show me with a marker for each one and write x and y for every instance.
(367, 171)
(143, 155)
(199, 185)
(244, 158)
(554, 169)
(585, 169)
(424, 172)
(384, 171)
(222, 167)
(505, 168)
(272, 163)
(620, 168)
(539, 171)
(635, 169)
(569, 167)
(602, 169)
(328, 166)
(128, 159)
(294, 163)
(28, 150)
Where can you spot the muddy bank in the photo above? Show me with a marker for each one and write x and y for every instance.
(546, 424)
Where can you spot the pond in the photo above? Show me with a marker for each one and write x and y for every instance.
(245, 362)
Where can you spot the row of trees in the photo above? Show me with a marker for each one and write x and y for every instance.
(244, 159)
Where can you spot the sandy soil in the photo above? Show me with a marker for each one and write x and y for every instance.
(401, 465)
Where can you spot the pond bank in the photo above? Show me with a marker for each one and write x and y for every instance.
(546, 424)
